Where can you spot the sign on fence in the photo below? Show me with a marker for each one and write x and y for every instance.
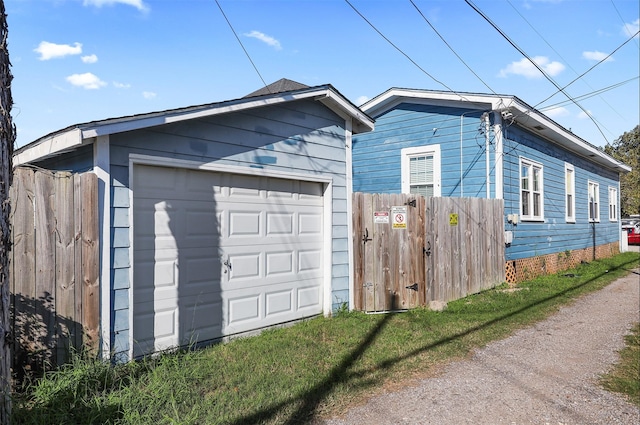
(430, 249)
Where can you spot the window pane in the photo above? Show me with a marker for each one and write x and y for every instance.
(425, 190)
(525, 203)
(524, 177)
(421, 169)
(536, 205)
(570, 205)
(536, 179)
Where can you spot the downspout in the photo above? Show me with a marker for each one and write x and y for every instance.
(487, 127)
(348, 136)
(102, 168)
(499, 164)
(461, 159)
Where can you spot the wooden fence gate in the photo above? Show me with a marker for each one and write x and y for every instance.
(409, 250)
(54, 272)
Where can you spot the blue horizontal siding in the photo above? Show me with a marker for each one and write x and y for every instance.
(377, 169)
(300, 137)
(377, 155)
(555, 234)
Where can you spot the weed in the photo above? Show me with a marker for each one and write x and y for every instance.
(293, 374)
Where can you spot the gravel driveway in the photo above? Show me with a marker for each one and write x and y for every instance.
(545, 374)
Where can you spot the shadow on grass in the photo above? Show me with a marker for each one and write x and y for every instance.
(310, 400)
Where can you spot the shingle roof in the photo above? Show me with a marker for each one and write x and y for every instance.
(279, 86)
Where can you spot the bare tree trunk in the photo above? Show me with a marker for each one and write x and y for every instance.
(7, 139)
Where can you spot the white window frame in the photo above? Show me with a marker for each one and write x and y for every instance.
(613, 203)
(595, 187)
(570, 193)
(408, 153)
(531, 166)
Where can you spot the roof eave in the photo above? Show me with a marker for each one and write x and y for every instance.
(74, 136)
(536, 122)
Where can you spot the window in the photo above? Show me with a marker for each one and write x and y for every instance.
(570, 193)
(531, 191)
(594, 201)
(421, 170)
(613, 204)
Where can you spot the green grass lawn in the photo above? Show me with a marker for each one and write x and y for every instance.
(625, 376)
(290, 375)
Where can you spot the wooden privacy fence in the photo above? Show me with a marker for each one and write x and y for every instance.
(409, 250)
(54, 266)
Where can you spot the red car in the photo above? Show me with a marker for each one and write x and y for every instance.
(633, 233)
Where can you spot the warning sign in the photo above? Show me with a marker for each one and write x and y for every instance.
(399, 216)
(453, 219)
(381, 217)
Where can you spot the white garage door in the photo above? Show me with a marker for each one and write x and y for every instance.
(217, 254)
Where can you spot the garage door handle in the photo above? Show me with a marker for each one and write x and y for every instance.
(227, 264)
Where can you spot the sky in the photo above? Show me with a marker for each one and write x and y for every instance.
(76, 61)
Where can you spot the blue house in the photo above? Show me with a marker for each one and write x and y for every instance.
(561, 194)
(219, 219)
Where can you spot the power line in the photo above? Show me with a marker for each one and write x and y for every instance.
(620, 16)
(506, 37)
(588, 70)
(242, 45)
(591, 94)
(451, 48)
(409, 58)
(559, 55)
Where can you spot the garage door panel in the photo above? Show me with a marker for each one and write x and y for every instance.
(309, 260)
(243, 308)
(278, 224)
(278, 302)
(245, 266)
(244, 224)
(310, 224)
(188, 223)
(278, 263)
(309, 298)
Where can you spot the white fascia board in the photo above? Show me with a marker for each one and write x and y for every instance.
(226, 107)
(50, 146)
(554, 132)
(347, 111)
(394, 97)
(137, 123)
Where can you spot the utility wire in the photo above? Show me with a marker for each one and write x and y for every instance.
(591, 94)
(522, 52)
(451, 48)
(620, 16)
(588, 70)
(242, 45)
(559, 55)
(410, 59)
(399, 49)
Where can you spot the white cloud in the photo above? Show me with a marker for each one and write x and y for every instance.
(51, 50)
(148, 94)
(525, 68)
(583, 116)
(361, 100)
(596, 56)
(556, 112)
(265, 39)
(89, 59)
(87, 81)
(631, 29)
(138, 4)
(121, 85)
